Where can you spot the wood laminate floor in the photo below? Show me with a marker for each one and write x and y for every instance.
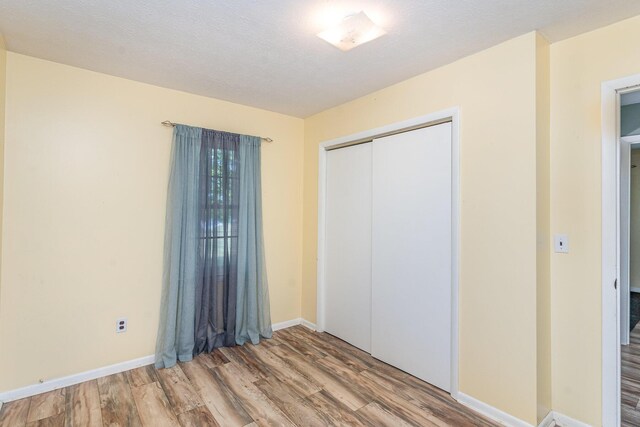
(631, 379)
(298, 378)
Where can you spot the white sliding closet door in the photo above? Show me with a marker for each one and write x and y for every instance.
(411, 253)
(348, 245)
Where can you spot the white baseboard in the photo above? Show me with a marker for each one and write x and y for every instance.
(309, 325)
(552, 419)
(548, 421)
(490, 411)
(286, 324)
(565, 421)
(293, 322)
(57, 383)
(634, 289)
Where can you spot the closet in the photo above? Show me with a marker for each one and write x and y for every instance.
(388, 249)
(348, 243)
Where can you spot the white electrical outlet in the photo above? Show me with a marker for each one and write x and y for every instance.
(121, 325)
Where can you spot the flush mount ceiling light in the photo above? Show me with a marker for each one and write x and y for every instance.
(353, 31)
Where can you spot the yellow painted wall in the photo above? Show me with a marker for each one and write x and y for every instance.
(543, 297)
(578, 67)
(86, 174)
(496, 92)
(3, 69)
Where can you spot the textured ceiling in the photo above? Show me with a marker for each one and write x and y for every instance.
(266, 54)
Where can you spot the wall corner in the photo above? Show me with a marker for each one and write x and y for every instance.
(543, 232)
(3, 92)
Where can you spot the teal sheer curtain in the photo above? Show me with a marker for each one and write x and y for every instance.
(181, 250)
(253, 318)
(214, 282)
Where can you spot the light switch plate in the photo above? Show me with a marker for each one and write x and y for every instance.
(561, 243)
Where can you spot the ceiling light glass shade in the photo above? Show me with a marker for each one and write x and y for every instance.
(353, 31)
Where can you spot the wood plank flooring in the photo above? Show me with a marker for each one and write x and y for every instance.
(298, 378)
(631, 379)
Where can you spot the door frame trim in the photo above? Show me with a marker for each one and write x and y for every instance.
(610, 134)
(450, 114)
(624, 215)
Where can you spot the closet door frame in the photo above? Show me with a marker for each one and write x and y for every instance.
(449, 115)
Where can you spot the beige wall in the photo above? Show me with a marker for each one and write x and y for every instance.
(85, 190)
(543, 286)
(578, 67)
(3, 85)
(496, 92)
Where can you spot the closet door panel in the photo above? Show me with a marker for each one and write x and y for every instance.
(348, 245)
(411, 253)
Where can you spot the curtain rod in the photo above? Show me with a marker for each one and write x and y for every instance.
(168, 123)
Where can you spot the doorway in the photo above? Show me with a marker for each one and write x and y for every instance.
(615, 243)
(629, 144)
